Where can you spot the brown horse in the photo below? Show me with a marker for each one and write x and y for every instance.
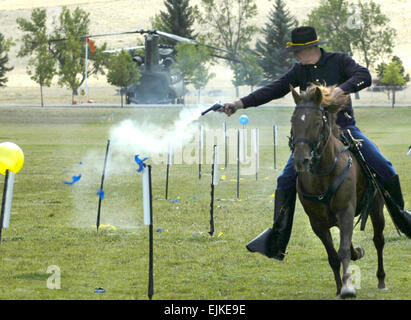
(331, 183)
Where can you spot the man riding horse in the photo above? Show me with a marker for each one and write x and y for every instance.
(332, 68)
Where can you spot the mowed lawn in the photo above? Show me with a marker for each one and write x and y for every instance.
(53, 224)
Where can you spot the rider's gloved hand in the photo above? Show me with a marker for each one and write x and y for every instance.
(231, 108)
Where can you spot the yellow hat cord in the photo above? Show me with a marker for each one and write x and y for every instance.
(290, 44)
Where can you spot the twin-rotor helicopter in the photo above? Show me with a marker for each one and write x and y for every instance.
(161, 81)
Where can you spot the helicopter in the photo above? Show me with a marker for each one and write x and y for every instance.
(161, 82)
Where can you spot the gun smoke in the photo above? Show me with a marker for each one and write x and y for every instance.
(127, 139)
(131, 137)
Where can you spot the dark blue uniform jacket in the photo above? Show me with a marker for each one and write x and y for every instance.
(333, 68)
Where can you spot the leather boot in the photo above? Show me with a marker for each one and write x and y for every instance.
(395, 205)
(273, 242)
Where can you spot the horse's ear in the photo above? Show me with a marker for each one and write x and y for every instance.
(296, 96)
(318, 96)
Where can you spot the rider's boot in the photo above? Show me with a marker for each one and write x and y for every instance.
(273, 242)
(395, 205)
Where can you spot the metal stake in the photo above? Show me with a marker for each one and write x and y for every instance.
(101, 187)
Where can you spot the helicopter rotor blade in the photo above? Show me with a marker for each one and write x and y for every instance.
(217, 48)
(121, 49)
(109, 34)
(186, 40)
(234, 59)
(102, 35)
(175, 37)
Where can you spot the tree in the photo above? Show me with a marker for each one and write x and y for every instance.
(276, 33)
(248, 72)
(393, 78)
(122, 71)
(402, 69)
(41, 66)
(373, 38)
(331, 21)
(192, 61)
(361, 30)
(178, 19)
(200, 79)
(70, 53)
(229, 25)
(4, 59)
(381, 67)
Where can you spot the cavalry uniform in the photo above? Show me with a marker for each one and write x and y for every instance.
(333, 68)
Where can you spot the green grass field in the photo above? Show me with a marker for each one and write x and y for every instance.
(53, 224)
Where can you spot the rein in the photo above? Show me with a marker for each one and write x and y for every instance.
(316, 145)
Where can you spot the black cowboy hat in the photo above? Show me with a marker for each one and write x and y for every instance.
(303, 37)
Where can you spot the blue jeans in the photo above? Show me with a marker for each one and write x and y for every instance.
(372, 155)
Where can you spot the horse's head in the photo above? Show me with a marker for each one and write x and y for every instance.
(311, 123)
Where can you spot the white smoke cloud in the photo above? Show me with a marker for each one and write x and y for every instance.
(127, 139)
(130, 137)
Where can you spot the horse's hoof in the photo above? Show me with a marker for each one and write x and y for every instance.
(348, 292)
(361, 252)
(381, 285)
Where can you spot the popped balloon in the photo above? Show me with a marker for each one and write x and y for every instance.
(74, 180)
(140, 162)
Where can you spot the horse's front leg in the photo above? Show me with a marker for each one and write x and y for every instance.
(346, 225)
(333, 259)
(323, 232)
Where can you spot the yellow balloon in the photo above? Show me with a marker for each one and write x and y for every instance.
(11, 157)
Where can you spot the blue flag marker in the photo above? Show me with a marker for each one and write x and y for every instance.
(75, 179)
(100, 193)
(140, 162)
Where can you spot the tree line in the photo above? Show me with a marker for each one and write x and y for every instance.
(360, 29)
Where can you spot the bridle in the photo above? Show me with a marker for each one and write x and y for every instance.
(315, 145)
(325, 197)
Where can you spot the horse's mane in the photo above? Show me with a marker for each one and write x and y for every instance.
(330, 102)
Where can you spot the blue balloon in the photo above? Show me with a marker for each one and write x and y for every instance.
(243, 119)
